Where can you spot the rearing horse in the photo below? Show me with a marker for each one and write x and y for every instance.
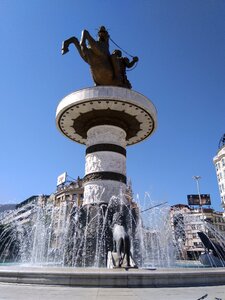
(106, 68)
(96, 54)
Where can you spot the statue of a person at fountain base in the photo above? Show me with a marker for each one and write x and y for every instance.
(106, 68)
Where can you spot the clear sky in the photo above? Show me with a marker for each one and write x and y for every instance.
(181, 47)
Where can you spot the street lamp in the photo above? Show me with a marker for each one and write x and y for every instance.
(197, 178)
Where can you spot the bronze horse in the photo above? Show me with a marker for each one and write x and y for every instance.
(106, 68)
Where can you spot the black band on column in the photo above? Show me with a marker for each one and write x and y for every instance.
(105, 176)
(106, 147)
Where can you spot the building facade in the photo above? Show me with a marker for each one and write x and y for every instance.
(187, 221)
(23, 212)
(219, 162)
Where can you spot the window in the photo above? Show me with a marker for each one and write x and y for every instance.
(197, 244)
(223, 162)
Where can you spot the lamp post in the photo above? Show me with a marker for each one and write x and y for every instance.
(197, 178)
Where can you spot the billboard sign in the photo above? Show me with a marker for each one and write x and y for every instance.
(61, 178)
(204, 199)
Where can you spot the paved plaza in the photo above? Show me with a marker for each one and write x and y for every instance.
(42, 292)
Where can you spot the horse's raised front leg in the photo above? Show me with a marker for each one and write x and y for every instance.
(85, 36)
(75, 41)
(66, 43)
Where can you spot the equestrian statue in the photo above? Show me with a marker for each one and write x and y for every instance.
(106, 68)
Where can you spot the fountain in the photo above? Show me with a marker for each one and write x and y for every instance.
(107, 228)
(47, 245)
(69, 235)
(106, 119)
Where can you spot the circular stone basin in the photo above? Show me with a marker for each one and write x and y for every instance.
(134, 278)
(106, 105)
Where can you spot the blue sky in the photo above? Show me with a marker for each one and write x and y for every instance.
(181, 47)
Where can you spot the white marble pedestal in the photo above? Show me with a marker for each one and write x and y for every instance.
(106, 119)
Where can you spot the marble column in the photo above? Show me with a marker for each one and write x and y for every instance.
(105, 167)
